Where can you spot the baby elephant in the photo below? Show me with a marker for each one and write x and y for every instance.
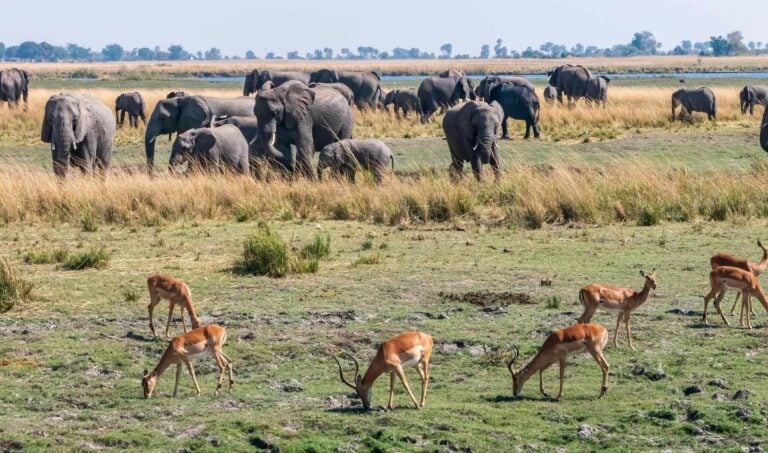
(405, 100)
(219, 149)
(133, 105)
(347, 156)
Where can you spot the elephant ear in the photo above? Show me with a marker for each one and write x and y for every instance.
(607, 80)
(82, 122)
(377, 75)
(194, 113)
(47, 130)
(204, 142)
(248, 87)
(298, 100)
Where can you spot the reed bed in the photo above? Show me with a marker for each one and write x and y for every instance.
(526, 196)
(143, 70)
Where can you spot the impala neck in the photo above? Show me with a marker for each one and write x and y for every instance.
(193, 315)
(373, 373)
(761, 295)
(536, 364)
(165, 362)
(642, 296)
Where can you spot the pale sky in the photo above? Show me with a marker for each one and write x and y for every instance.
(235, 26)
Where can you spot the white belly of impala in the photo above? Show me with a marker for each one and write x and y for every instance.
(414, 357)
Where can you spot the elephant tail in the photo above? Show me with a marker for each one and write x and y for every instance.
(392, 162)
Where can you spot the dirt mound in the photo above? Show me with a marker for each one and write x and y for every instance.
(489, 299)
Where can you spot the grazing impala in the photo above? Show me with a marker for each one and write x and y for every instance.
(197, 341)
(556, 348)
(408, 349)
(724, 259)
(612, 298)
(725, 277)
(177, 292)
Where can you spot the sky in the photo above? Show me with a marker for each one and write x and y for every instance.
(235, 26)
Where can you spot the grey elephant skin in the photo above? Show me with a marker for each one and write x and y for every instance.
(550, 94)
(487, 84)
(597, 90)
(249, 127)
(296, 120)
(751, 95)
(181, 114)
(347, 156)
(571, 81)
(443, 91)
(764, 131)
(695, 100)
(365, 86)
(212, 150)
(80, 130)
(520, 103)
(256, 79)
(133, 105)
(406, 100)
(14, 86)
(340, 87)
(471, 130)
(175, 94)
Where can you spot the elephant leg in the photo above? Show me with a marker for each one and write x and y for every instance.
(504, 130)
(536, 131)
(456, 169)
(477, 168)
(527, 130)
(495, 165)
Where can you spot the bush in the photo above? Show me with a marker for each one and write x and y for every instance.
(88, 221)
(648, 217)
(265, 253)
(93, 258)
(320, 247)
(46, 256)
(13, 288)
(371, 258)
(553, 302)
(130, 295)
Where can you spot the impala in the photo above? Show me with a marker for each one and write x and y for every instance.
(612, 298)
(197, 341)
(724, 259)
(177, 292)
(726, 277)
(556, 348)
(408, 349)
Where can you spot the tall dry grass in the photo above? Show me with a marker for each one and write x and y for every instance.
(525, 196)
(156, 70)
(629, 108)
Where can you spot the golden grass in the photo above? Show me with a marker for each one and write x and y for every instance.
(629, 109)
(525, 196)
(130, 70)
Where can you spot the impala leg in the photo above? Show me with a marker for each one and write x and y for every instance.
(171, 306)
(404, 380)
(719, 308)
(192, 373)
(541, 381)
(153, 300)
(735, 301)
(562, 376)
(743, 307)
(222, 369)
(229, 367)
(597, 354)
(422, 368)
(629, 334)
(616, 334)
(183, 323)
(748, 309)
(178, 374)
(390, 404)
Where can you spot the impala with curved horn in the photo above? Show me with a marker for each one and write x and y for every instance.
(408, 349)
(556, 348)
(725, 259)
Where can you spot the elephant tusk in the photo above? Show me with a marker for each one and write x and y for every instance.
(272, 140)
(253, 140)
(152, 140)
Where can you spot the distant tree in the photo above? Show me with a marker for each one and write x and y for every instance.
(112, 52)
(719, 45)
(346, 53)
(145, 53)
(485, 52)
(399, 53)
(686, 45)
(591, 51)
(446, 50)
(546, 47)
(293, 55)
(384, 55)
(2, 50)
(78, 53)
(499, 50)
(328, 53)
(735, 43)
(177, 52)
(46, 51)
(60, 53)
(213, 54)
(645, 43)
(578, 50)
(414, 53)
(250, 55)
(29, 50)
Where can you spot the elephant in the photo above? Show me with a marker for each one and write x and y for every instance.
(249, 127)
(296, 120)
(443, 92)
(256, 79)
(347, 156)
(365, 86)
(81, 131)
(175, 94)
(597, 90)
(14, 86)
(340, 87)
(471, 130)
(189, 112)
(550, 94)
(133, 105)
(695, 100)
(212, 150)
(487, 84)
(751, 95)
(764, 131)
(517, 102)
(571, 81)
(405, 100)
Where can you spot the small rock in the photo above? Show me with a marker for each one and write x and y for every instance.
(698, 431)
(477, 350)
(719, 397)
(755, 449)
(655, 375)
(290, 386)
(638, 370)
(333, 402)
(585, 432)
(449, 348)
(442, 316)
(692, 415)
(213, 440)
(494, 310)
(692, 389)
(742, 394)
(719, 383)
(743, 413)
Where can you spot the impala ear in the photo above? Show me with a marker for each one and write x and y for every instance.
(145, 372)
(642, 274)
(759, 244)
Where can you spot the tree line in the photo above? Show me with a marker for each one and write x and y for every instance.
(642, 43)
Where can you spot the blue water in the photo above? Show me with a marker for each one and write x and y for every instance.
(667, 75)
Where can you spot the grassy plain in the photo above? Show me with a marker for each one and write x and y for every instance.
(452, 259)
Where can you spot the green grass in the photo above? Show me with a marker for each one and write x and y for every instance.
(94, 258)
(13, 288)
(266, 253)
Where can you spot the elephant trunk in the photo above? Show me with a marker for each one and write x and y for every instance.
(484, 147)
(62, 143)
(150, 136)
(268, 146)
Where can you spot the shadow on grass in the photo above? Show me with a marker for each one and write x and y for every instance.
(134, 336)
(543, 399)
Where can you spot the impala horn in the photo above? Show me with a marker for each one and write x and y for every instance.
(514, 358)
(341, 373)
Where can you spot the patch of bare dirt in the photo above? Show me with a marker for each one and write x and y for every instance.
(489, 299)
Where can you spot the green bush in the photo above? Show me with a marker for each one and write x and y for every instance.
(266, 253)
(88, 221)
(46, 256)
(371, 258)
(13, 288)
(648, 217)
(130, 295)
(320, 247)
(93, 258)
(553, 302)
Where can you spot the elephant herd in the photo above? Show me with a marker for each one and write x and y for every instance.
(296, 114)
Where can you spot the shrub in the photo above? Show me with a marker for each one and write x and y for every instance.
(13, 288)
(266, 253)
(367, 245)
(88, 221)
(130, 295)
(371, 258)
(553, 302)
(93, 258)
(648, 217)
(320, 247)
(533, 218)
(46, 256)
